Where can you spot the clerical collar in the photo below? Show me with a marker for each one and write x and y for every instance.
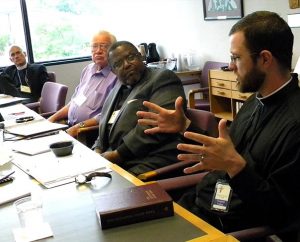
(22, 67)
(260, 98)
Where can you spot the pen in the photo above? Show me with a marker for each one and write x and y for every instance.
(5, 178)
(8, 179)
(18, 113)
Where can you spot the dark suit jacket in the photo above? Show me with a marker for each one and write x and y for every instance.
(37, 75)
(146, 152)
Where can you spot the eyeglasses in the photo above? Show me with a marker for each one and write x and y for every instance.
(234, 58)
(95, 47)
(129, 59)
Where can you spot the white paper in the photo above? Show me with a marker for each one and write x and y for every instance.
(31, 234)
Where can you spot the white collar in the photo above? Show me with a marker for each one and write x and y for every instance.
(22, 67)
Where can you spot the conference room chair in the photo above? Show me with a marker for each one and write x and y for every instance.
(53, 98)
(202, 102)
(202, 120)
(52, 76)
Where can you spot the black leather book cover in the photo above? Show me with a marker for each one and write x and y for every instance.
(132, 205)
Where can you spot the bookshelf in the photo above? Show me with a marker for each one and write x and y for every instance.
(225, 99)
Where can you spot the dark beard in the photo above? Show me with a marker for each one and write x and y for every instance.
(252, 81)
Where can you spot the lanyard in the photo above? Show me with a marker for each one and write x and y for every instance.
(25, 78)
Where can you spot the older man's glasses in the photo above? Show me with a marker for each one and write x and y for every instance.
(104, 47)
(129, 59)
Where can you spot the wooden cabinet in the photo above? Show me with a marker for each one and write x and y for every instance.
(225, 99)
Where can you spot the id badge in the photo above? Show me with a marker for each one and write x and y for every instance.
(25, 89)
(80, 99)
(113, 117)
(222, 196)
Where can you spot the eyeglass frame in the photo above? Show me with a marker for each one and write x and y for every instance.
(101, 46)
(129, 59)
(234, 58)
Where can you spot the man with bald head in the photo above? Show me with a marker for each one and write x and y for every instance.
(25, 79)
(96, 82)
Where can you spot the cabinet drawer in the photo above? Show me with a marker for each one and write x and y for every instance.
(233, 86)
(223, 75)
(240, 96)
(221, 83)
(221, 92)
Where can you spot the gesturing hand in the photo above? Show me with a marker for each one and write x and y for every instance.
(215, 153)
(164, 120)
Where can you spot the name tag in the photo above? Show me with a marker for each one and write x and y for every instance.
(25, 89)
(113, 117)
(80, 99)
(222, 196)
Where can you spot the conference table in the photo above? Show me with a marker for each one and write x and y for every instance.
(70, 210)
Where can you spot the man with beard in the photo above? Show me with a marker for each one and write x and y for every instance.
(121, 140)
(253, 167)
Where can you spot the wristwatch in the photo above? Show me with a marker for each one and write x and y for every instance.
(81, 125)
(81, 179)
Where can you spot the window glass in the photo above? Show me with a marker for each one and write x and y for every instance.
(62, 29)
(11, 27)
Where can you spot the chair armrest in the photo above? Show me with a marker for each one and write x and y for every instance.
(202, 89)
(47, 115)
(252, 233)
(33, 106)
(192, 93)
(87, 129)
(180, 182)
(165, 170)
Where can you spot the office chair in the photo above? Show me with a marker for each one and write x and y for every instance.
(52, 76)
(53, 98)
(203, 102)
(202, 120)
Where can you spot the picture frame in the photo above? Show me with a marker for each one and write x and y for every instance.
(222, 9)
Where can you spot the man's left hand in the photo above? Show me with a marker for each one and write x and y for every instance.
(215, 153)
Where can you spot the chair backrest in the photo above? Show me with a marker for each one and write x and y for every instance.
(53, 97)
(208, 65)
(204, 120)
(52, 76)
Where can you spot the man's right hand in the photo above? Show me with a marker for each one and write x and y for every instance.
(164, 120)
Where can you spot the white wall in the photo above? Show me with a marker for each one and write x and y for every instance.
(176, 26)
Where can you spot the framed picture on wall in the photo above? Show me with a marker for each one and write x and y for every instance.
(222, 9)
